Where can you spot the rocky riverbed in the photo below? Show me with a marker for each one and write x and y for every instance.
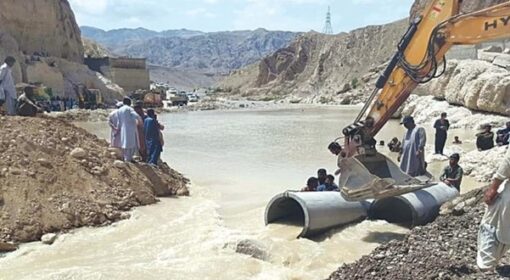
(444, 249)
(55, 177)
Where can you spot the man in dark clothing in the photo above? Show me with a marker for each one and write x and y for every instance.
(441, 125)
(503, 135)
(485, 139)
(329, 185)
(322, 174)
(452, 174)
(152, 137)
(26, 106)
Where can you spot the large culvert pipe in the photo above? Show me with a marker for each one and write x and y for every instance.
(314, 211)
(413, 209)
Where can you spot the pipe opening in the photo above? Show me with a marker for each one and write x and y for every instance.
(286, 211)
(393, 210)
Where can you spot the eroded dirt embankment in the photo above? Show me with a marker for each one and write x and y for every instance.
(55, 177)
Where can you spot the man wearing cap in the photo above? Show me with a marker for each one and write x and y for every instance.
(113, 121)
(452, 174)
(412, 155)
(494, 232)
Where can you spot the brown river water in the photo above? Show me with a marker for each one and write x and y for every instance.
(237, 161)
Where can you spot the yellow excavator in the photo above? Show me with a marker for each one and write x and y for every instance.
(420, 57)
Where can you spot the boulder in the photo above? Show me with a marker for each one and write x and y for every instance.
(253, 249)
(476, 85)
(78, 153)
(502, 60)
(44, 162)
(119, 164)
(7, 247)
(347, 87)
(485, 56)
(182, 192)
(49, 238)
(493, 49)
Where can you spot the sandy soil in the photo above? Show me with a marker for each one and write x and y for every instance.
(55, 177)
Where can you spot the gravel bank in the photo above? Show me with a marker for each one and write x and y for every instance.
(444, 249)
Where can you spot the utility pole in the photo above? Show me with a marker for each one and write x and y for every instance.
(328, 29)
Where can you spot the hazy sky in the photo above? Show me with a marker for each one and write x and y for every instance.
(219, 15)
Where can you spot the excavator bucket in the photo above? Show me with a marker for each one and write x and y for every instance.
(376, 176)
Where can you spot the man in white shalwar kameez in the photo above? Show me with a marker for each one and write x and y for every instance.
(7, 85)
(494, 232)
(128, 121)
(412, 155)
(113, 121)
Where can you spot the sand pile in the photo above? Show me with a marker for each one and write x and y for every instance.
(55, 176)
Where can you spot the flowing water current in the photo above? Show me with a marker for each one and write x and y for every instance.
(237, 161)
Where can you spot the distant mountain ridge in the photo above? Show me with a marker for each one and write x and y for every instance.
(119, 37)
(215, 52)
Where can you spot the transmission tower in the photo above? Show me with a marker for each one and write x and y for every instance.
(328, 29)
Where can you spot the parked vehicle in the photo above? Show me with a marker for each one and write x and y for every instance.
(192, 97)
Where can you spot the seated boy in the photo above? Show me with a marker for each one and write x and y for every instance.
(311, 185)
(452, 174)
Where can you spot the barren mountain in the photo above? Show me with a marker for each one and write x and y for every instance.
(324, 69)
(193, 50)
(318, 64)
(118, 38)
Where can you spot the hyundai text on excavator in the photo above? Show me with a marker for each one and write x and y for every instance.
(420, 57)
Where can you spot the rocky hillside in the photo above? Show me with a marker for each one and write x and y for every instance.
(192, 50)
(466, 7)
(474, 84)
(94, 49)
(44, 27)
(317, 64)
(46, 41)
(342, 69)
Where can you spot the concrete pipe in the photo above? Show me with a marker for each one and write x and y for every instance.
(315, 212)
(413, 209)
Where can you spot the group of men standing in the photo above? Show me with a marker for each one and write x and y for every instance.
(135, 131)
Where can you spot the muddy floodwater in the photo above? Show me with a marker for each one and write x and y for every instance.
(237, 161)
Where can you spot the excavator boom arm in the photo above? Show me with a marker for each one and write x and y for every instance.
(421, 53)
(367, 174)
